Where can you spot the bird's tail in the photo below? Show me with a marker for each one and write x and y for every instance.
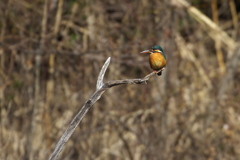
(159, 73)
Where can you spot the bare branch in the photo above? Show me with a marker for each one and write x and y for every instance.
(101, 88)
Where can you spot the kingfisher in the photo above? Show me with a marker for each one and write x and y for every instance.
(157, 58)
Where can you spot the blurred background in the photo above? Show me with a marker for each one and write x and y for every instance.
(51, 52)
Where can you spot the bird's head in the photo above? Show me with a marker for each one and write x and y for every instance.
(154, 49)
(157, 48)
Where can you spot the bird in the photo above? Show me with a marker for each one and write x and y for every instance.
(157, 58)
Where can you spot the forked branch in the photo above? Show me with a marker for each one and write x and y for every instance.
(101, 88)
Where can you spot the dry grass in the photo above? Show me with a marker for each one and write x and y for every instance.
(52, 51)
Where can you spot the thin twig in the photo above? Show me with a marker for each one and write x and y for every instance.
(228, 78)
(219, 53)
(101, 88)
(58, 17)
(233, 10)
(37, 110)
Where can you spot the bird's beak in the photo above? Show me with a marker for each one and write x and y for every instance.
(146, 51)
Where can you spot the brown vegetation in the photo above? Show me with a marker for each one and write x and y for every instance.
(51, 53)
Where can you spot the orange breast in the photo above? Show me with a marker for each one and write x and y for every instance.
(157, 61)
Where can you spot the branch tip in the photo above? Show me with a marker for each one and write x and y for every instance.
(102, 73)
